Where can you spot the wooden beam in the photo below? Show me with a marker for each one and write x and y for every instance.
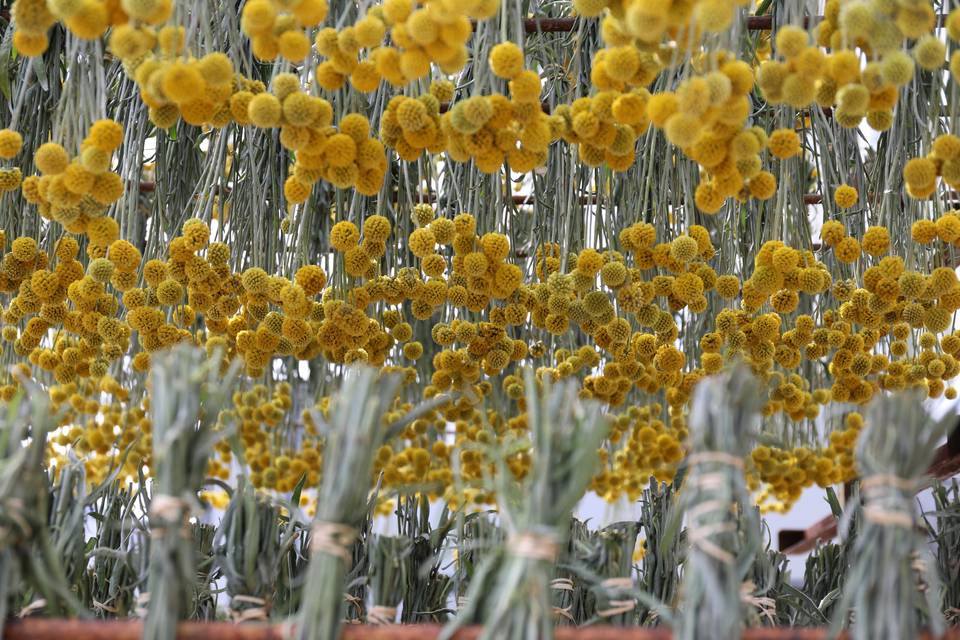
(58, 629)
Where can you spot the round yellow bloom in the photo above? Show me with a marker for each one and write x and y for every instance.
(784, 143)
(845, 196)
(506, 60)
(10, 143)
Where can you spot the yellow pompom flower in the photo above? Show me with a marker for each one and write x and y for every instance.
(919, 172)
(422, 242)
(923, 231)
(845, 196)
(763, 185)
(728, 286)
(847, 250)
(344, 236)
(876, 240)
(10, 143)
(506, 60)
(51, 159)
(832, 232)
(264, 110)
(784, 143)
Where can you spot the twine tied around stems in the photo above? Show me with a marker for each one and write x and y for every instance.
(380, 614)
(332, 538)
(877, 487)
(462, 602)
(535, 546)
(766, 606)
(565, 613)
(700, 534)
(166, 512)
(563, 584)
(621, 605)
(103, 606)
(32, 608)
(351, 599)
(258, 612)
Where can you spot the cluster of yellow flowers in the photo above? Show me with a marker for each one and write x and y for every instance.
(652, 22)
(101, 316)
(706, 117)
(460, 310)
(76, 192)
(85, 19)
(943, 161)
(277, 28)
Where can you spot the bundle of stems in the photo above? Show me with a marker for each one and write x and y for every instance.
(713, 499)
(32, 576)
(352, 433)
(478, 538)
(827, 565)
(944, 528)
(570, 590)
(389, 572)
(892, 586)
(249, 547)
(188, 393)
(203, 592)
(609, 563)
(770, 598)
(663, 549)
(565, 433)
(293, 566)
(355, 579)
(119, 556)
(427, 587)
(68, 502)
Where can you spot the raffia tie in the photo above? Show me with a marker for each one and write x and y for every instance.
(621, 605)
(564, 612)
(379, 614)
(875, 488)
(534, 546)
(32, 608)
(260, 611)
(356, 603)
(332, 538)
(103, 606)
(700, 534)
(766, 606)
(167, 512)
(563, 584)
(462, 602)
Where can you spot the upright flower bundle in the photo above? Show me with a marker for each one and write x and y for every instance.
(535, 512)
(891, 562)
(714, 500)
(353, 431)
(185, 417)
